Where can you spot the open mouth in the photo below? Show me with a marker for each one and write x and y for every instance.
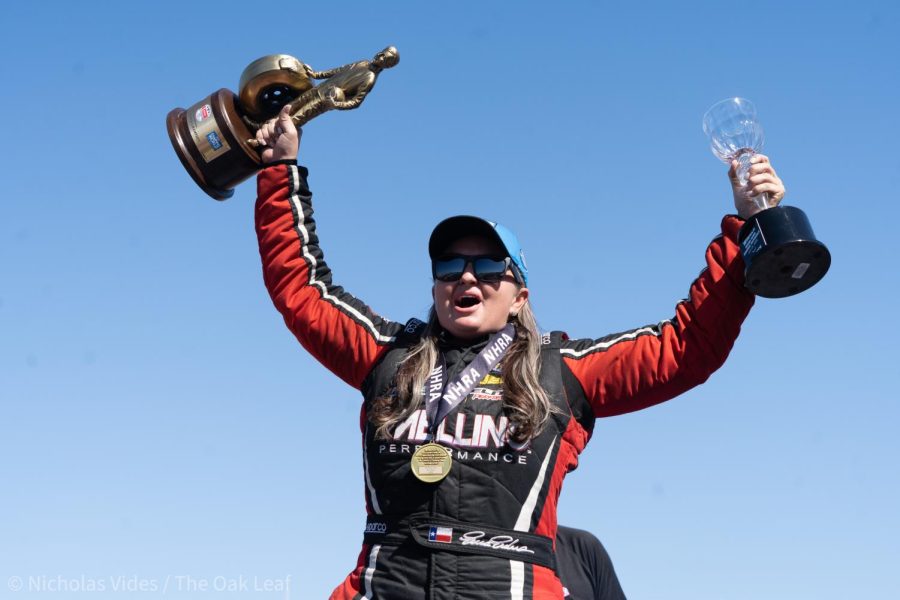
(466, 301)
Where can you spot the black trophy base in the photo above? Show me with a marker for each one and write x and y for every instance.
(782, 254)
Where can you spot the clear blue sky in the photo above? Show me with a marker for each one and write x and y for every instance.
(157, 421)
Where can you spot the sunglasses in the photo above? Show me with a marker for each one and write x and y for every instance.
(489, 269)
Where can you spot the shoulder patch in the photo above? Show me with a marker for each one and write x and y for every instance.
(410, 333)
(413, 326)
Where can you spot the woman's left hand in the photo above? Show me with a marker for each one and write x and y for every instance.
(761, 179)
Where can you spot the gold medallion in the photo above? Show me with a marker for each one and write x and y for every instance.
(431, 462)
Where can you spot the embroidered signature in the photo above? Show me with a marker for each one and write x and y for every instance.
(499, 542)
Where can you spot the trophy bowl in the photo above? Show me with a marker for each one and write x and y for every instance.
(269, 83)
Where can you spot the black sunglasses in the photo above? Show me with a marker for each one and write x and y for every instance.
(490, 269)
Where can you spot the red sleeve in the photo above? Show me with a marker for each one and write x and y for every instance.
(340, 331)
(635, 369)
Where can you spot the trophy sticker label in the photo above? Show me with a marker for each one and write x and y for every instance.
(800, 271)
(214, 140)
(203, 113)
(753, 243)
(205, 131)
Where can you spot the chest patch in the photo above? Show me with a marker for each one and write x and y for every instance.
(480, 393)
(491, 379)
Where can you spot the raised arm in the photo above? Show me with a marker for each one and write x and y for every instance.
(336, 328)
(639, 368)
(635, 369)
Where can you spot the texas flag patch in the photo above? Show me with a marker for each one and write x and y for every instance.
(440, 534)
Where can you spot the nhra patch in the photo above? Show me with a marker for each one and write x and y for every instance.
(440, 534)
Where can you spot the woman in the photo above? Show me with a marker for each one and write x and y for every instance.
(472, 419)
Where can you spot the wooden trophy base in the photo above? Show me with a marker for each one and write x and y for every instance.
(210, 139)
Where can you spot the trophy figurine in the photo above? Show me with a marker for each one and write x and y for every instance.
(781, 253)
(214, 138)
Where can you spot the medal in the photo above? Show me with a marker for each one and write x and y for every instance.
(431, 462)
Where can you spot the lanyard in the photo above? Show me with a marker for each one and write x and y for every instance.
(442, 396)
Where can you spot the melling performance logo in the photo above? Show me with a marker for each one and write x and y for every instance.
(470, 431)
(479, 437)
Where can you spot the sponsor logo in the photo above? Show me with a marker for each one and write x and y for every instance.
(213, 139)
(462, 454)
(443, 535)
(486, 431)
(203, 113)
(413, 325)
(376, 528)
(491, 379)
(498, 542)
(486, 394)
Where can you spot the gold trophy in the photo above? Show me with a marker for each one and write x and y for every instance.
(214, 138)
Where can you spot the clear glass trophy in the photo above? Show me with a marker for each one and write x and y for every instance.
(781, 253)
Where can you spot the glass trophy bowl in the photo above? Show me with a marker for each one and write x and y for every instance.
(780, 250)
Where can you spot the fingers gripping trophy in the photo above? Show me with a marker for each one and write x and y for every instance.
(219, 139)
(780, 251)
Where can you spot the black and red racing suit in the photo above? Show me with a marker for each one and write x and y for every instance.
(486, 530)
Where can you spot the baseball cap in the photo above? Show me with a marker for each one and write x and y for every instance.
(449, 230)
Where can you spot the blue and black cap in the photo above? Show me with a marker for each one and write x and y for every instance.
(449, 230)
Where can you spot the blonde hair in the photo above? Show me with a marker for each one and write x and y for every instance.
(525, 402)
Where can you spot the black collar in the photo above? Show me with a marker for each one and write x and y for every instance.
(446, 341)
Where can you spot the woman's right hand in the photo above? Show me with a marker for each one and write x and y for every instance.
(762, 178)
(279, 137)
